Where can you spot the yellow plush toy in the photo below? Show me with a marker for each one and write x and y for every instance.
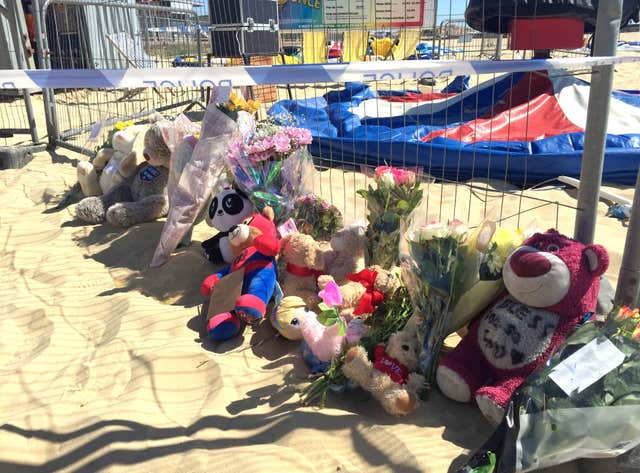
(286, 319)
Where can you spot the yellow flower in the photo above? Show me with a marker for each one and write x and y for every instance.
(253, 106)
(122, 125)
(625, 313)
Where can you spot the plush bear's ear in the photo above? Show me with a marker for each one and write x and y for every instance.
(269, 213)
(598, 259)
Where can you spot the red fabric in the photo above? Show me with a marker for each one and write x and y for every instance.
(384, 363)
(529, 112)
(371, 297)
(207, 284)
(413, 97)
(302, 272)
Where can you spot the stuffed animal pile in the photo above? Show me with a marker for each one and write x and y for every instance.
(142, 197)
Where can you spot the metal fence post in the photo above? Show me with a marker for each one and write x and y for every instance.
(628, 290)
(605, 44)
(48, 96)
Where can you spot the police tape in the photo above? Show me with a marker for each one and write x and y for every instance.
(286, 74)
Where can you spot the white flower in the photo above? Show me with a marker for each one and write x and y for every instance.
(387, 179)
(433, 230)
(457, 228)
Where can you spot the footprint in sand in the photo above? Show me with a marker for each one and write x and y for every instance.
(25, 334)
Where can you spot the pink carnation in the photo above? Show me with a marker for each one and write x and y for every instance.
(301, 136)
(281, 143)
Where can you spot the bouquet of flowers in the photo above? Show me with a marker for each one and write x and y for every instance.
(389, 317)
(390, 204)
(272, 166)
(316, 217)
(236, 104)
(585, 402)
(429, 272)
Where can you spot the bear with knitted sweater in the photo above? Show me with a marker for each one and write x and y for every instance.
(552, 282)
(254, 245)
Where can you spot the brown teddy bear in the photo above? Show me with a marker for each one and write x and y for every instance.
(304, 260)
(391, 378)
(363, 291)
(142, 197)
(348, 249)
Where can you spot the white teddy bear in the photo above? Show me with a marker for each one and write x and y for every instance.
(115, 164)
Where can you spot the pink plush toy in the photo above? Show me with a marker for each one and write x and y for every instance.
(552, 282)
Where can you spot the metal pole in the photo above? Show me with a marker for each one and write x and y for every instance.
(605, 44)
(48, 95)
(628, 290)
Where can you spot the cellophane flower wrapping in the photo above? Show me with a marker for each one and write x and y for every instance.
(600, 418)
(429, 272)
(390, 204)
(272, 167)
(203, 170)
(316, 217)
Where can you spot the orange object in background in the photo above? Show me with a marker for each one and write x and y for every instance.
(546, 33)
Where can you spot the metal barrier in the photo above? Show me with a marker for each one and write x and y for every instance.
(17, 115)
(102, 34)
(457, 40)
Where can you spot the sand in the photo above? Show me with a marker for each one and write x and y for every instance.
(104, 366)
(105, 369)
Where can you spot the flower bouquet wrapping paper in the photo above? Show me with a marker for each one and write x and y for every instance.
(585, 403)
(396, 195)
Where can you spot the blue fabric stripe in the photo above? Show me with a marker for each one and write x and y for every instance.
(81, 78)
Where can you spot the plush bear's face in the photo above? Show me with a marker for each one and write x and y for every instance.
(549, 267)
(302, 250)
(403, 346)
(350, 239)
(156, 151)
(257, 230)
(386, 282)
(229, 207)
(123, 140)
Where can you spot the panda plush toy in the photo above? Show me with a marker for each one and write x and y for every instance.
(228, 208)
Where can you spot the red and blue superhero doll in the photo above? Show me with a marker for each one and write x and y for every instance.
(254, 245)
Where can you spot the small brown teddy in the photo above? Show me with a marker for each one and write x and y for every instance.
(305, 261)
(363, 291)
(348, 249)
(391, 378)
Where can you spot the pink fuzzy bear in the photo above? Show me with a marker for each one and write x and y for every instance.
(552, 282)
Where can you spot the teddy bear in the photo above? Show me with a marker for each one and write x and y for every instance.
(114, 164)
(140, 198)
(228, 208)
(392, 377)
(254, 245)
(348, 251)
(363, 291)
(304, 259)
(551, 283)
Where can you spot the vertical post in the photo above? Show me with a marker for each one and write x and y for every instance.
(628, 291)
(48, 96)
(605, 44)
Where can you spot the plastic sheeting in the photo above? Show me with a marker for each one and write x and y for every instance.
(360, 126)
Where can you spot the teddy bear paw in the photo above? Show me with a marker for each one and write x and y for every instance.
(452, 384)
(405, 403)
(118, 216)
(491, 410)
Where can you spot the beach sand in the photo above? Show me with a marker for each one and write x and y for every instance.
(104, 366)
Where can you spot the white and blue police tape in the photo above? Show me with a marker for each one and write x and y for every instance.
(285, 74)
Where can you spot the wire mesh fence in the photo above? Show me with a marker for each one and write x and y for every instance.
(109, 35)
(17, 116)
